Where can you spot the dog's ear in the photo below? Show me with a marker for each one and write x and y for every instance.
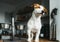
(45, 10)
(35, 5)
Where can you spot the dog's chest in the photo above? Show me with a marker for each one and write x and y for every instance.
(34, 23)
(37, 22)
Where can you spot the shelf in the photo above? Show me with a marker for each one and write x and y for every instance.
(20, 23)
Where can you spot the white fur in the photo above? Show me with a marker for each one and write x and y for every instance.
(34, 24)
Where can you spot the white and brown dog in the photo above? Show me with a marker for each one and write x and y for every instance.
(34, 24)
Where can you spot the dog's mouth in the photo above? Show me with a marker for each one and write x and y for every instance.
(38, 14)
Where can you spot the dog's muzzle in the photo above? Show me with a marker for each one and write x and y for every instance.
(39, 14)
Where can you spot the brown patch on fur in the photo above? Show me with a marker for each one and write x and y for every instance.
(37, 15)
(36, 5)
(45, 10)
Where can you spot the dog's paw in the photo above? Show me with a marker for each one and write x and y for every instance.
(29, 40)
(37, 40)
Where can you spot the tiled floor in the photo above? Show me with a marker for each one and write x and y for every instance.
(22, 40)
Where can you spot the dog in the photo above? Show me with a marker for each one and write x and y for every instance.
(34, 24)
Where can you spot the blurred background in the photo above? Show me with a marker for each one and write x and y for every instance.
(14, 15)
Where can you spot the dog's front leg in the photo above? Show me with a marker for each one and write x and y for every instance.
(37, 36)
(32, 36)
(29, 35)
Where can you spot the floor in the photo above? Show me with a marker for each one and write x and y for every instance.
(24, 40)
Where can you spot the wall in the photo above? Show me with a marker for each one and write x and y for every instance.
(58, 20)
(55, 4)
(5, 8)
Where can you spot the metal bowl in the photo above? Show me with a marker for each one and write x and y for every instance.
(5, 25)
(20, 27)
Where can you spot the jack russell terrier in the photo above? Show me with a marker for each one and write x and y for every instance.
(34, 24)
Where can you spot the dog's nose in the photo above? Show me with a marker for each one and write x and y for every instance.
(42, 12)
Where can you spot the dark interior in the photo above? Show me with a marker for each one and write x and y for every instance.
(22, 12)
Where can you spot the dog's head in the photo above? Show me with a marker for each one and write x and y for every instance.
(39, 9)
